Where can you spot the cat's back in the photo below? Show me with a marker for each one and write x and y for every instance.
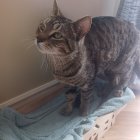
(109, 39)
(109, 24)
(108, 32)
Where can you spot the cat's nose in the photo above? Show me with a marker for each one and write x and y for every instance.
(39, 39)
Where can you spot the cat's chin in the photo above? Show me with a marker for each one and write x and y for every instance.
(47, 52)
(43, 51)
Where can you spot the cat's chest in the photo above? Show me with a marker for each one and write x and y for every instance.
(79, 78)
(76, 80)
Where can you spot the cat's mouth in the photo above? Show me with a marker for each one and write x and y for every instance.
(41, 47)
(44, 49)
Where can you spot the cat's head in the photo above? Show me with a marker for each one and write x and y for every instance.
(58, 35)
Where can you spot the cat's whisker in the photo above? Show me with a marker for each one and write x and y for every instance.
(54, 60)
(29, 39)
(30, 46)
(44, 62)
(49, 61)
(28, 43)
(42, 45)
(61, 62)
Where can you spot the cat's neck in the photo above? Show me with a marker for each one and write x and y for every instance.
(71, 64)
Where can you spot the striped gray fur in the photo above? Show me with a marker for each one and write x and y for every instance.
(83, 50)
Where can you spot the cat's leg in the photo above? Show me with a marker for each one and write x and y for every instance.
(132, 79)
(71, 96)
(126, 80)
(107, 88)
(120, 81)
(86, 97)
(122, 70)
(119, 84)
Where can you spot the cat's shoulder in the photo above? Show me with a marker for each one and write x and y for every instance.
(109, 20)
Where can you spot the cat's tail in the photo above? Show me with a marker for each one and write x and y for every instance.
(137, 67)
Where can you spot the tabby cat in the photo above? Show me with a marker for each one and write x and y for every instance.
(82, 50)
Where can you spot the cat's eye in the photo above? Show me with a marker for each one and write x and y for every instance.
(57, 35)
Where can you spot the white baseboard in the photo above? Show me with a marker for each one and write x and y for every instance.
(28, 94)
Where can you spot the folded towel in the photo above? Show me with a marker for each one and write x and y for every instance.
(47, 124)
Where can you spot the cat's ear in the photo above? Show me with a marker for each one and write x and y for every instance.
(82, 27)
(56, 10)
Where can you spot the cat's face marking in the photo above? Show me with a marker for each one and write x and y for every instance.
(58, 35)
(54, 35)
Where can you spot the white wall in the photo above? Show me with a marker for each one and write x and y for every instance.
(19, 66)
(79, 8)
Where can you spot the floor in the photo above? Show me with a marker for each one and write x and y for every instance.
(127, 126)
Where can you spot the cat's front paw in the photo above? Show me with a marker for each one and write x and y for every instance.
(66, 111)
(118, 93)
(83, 111)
